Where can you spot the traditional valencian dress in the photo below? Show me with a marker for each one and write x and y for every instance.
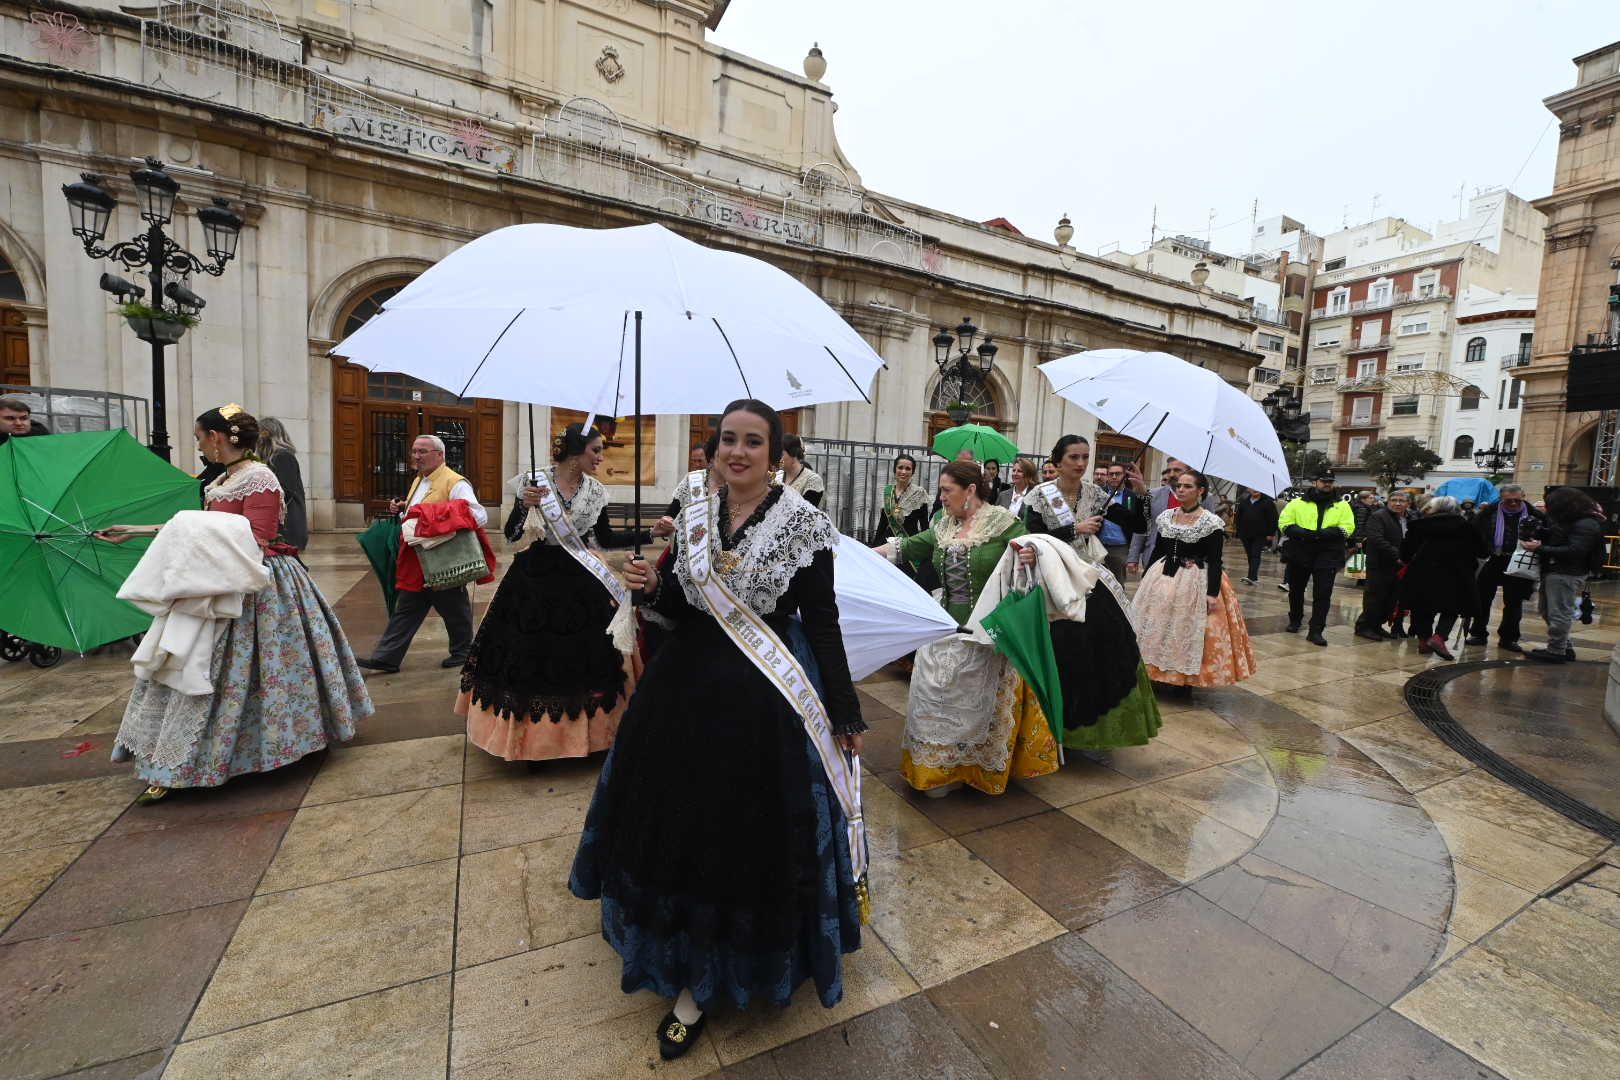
(809, 484)
(1108, 699)
(716, 840)
(902, 515)
(969, 719)
(1183, 642)
(284, 680)
(544, 680)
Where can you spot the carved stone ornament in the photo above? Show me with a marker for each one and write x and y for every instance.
(608, 66)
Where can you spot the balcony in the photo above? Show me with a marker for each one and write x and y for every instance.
(1515, 360)
(1423, 296)
(1358, 307)
(1366, 346)
(1355, 423)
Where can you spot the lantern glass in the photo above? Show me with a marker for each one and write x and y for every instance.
(90, 207)
(942, 348)
(987, 356)
(156, 191)
(966, 333)
(222, 229)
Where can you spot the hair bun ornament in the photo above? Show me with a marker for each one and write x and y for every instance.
(230, 411)
(236, 433)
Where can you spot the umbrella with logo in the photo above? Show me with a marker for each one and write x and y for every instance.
(1186, 411)
(1019, 628)
(986, 443)
(882, 614)
(58, 584)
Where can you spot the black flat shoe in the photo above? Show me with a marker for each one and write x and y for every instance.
(676, 1038)
(1316, 639)
(372, 665)
(1292, 628)
(453, 662)
(1511, 646)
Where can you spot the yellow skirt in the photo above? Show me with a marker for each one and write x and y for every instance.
(1033, 750)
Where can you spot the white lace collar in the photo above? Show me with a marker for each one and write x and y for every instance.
(1093, 500)
(254, 478)
(911, 500)
(1206, 523)
(989, 523)
(806, 482)
(772, 550)
(582, 510)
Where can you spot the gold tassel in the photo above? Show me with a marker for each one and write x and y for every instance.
(863, 897)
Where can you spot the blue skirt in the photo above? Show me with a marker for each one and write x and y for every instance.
(714, 841)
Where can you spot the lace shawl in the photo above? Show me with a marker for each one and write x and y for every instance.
(807, 481)
(1206, 523)
(1092, 501)
(583, 509)
(762, 565)
(988, 523)
(255, 478)
(908, 503)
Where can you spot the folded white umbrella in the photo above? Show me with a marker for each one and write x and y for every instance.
(1186, 411)
(883, 614)
(549, 314)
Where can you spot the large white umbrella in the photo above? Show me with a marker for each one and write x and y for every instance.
(554, 315)
(883, 614)
(1186, 411)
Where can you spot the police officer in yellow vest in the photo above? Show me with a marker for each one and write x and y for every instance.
(435, 482)
(1315, 527)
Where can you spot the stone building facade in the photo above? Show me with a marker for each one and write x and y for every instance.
(1581, 268)
(363, 142)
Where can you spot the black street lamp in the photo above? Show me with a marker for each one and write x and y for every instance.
(1496, 460)
(91, 205)
(1284, 410)
(968, 367)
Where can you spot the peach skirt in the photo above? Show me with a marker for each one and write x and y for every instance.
(1228, 655)
(544, 739)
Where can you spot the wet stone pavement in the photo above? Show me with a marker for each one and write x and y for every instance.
(1296, 879)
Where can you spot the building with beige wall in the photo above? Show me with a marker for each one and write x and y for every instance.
(362, 142)
(1581, 268)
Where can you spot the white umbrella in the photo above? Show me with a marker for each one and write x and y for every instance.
(1187, 411)
(549, 314)
(883, 614)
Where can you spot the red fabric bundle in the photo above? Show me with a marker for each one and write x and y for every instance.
(438, 519)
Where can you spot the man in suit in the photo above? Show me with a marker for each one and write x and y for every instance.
(1124, 517)
(1381, 536)
(1500, 525)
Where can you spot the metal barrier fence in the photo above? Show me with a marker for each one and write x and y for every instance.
(855, 473)
(68, 411)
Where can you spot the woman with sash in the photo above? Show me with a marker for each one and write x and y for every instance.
(970, 719)
(544, 680)
(799, 476)
(725, 838)
(1193, 633)
(1108, 699)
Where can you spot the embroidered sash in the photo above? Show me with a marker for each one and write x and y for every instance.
(568, 538)
(1059, 506)
(770, 654)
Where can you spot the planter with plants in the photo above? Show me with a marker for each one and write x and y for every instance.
(155, 324)
(958, 411)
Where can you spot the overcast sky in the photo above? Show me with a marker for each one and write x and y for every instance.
(1025, 109)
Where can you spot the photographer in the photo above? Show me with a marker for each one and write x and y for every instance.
(1570, 551)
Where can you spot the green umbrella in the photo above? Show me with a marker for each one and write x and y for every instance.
(985, 442)
(1019, 629)
(380, 542)
(60, 584)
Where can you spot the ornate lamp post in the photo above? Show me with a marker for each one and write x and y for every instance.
(1496, 460)
(966, 370)
(91, 205)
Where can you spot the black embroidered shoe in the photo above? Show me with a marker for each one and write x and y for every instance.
(676, 1038)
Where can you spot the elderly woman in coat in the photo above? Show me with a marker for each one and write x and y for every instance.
(1441, 552)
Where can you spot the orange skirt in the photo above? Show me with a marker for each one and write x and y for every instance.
(1228, 654)
(543, 739)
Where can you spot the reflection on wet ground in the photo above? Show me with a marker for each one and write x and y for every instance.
(1295, 879)
(1547, 721)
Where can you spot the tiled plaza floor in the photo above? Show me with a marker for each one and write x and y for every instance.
(1295, 879)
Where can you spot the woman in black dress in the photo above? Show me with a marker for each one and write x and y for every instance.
(1440, 550)
(715, 841)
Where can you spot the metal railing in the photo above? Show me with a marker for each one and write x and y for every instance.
(1515, 360)
(1357, 307)
(1366, 346)
(66, 411)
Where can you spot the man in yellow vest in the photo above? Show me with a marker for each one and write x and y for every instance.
(435, 482)
(1315, 527)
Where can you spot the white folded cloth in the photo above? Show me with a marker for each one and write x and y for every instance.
(193, 579)
(1067, 578)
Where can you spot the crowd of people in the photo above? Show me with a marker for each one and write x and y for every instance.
(715, 678)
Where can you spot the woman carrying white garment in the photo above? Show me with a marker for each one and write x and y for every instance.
(282, 681)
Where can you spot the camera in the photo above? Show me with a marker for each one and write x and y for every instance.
(126, 291)
(188, 300)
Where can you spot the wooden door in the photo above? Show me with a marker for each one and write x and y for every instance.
(14, 370)
(702, 427)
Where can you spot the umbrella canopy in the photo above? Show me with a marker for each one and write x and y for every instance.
(1184, 410)
(882, 613)
(985, 442)
(380, 542)
(1475, 489)
(1019, 627)
(61, 584)
(545, 314)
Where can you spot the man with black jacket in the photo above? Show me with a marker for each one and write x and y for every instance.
(1501, 524)
(1572, 550)
(1381, 537)
(1256, 515)
(1315, 528)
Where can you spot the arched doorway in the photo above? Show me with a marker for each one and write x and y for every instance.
(982, 397)
(377, 414)
(14, 369)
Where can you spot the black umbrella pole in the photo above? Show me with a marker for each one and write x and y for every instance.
(635, 526)
(534, 464)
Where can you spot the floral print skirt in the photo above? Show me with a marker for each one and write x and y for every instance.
(285, 685)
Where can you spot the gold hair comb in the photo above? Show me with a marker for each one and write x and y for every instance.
(231, 410)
